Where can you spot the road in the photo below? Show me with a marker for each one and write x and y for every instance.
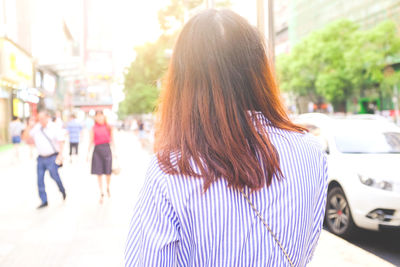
(386, 245)
(81, 232)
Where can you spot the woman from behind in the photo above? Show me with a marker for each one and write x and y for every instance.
(234, 182)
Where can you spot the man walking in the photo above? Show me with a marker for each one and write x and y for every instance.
(74, 130)
(49, 141)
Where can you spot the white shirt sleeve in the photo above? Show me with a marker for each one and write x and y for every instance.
(34, 130)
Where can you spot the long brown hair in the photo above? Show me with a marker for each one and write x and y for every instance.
(218, 75)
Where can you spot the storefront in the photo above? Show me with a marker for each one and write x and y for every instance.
(5, 112)
(25, 102)
(17, 97)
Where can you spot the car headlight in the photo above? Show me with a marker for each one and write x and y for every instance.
(381, 184)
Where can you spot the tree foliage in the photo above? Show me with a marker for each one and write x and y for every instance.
(340, 61)
(143, 75)
(140, 85)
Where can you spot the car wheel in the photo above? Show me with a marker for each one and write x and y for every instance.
(338, 215)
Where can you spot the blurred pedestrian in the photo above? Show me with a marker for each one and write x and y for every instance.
(74, 129)
(234, 182)
(57, 119)
(310, 107)
(102, 140)
(141, 133)
(49, 141)
(15, 129)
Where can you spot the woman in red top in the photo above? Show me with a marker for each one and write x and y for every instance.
(101, 138)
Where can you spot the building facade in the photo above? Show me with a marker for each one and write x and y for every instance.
(306, 16)
(17, 95)
(34, 43)
(93, 91)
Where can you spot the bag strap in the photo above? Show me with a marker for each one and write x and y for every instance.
(266, 226)
(48, 139)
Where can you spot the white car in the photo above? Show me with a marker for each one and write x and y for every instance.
(364, 171)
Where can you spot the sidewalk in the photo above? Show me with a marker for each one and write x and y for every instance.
(78, 232)
(7, 155)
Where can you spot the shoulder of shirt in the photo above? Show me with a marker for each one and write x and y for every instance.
(155, 177)
(303, 139)
(171, 185)
(154, 171)
(156, 174)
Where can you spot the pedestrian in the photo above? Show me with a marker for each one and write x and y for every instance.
(49, 141)
(233, 182)
(15, 130)
(102, 140)
(74, 129)
(57, 119)
(141, 133)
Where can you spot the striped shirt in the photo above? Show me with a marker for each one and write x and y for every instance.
(74, 129)
(176, 224)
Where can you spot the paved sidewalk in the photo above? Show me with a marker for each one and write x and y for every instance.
(80, 232)
(77, 232)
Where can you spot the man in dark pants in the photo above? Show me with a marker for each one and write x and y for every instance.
(49, 141)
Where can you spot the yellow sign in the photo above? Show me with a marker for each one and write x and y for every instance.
(16, 107)
(16, 66)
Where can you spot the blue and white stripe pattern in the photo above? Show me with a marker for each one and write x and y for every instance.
(176, 224)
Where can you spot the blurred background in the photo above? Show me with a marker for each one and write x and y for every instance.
(335, 57)
(84, 55)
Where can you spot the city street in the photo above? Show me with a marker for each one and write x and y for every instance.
(77, 232)
(81, 232)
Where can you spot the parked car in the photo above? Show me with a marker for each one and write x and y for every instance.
(364, 171)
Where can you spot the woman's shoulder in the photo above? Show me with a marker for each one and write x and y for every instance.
(285, 139)
(156, 169)
(155, 172)
(283, 136)
(172, 183)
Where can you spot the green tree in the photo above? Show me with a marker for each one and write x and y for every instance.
(140, 85)
(316, 67)
(340, 62)
(372, 52)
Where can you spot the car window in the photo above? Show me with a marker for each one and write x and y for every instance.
(368, 142)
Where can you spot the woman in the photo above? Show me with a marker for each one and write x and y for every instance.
(101, 138)
(234, 182)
